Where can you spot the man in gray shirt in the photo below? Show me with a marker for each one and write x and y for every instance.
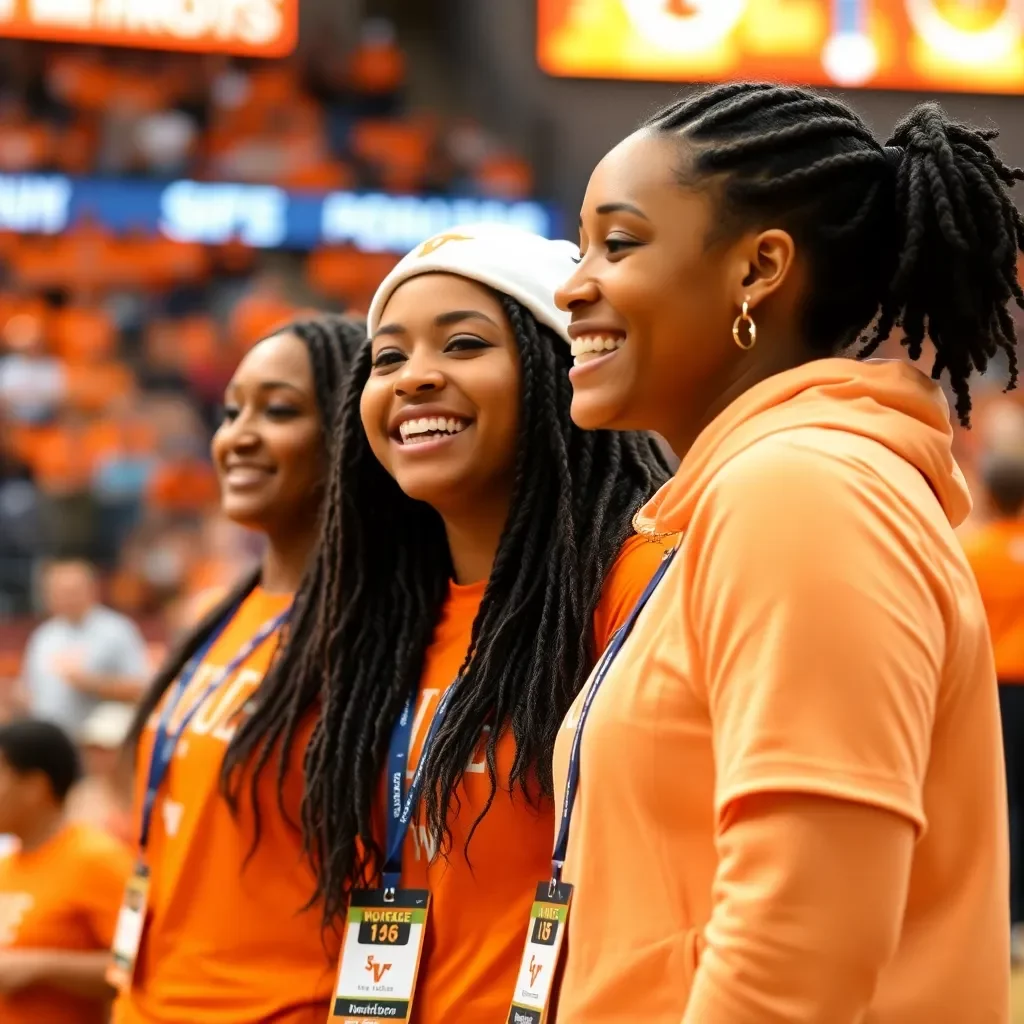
(84, 654)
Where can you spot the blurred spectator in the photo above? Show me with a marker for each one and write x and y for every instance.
(60, 889)
(376, 70)
(32, 382)
(103, 796)
(84, 654)
(996, 554)
(121, 476)
(164, 141)
(19, 525)
(62, 459)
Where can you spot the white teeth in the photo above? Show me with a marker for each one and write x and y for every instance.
(596, 343)
(431, 425)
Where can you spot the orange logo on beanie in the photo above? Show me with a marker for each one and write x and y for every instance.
(435, 243)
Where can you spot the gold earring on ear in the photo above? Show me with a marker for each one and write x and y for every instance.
(746, 318)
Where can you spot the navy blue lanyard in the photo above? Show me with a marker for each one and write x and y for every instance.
(165, 742)
(400, 810)
(603, 667)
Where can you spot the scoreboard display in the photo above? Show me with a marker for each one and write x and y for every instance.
(925, 45)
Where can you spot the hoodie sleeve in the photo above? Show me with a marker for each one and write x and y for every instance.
(821, 641)
(821, 635)
(791, 867)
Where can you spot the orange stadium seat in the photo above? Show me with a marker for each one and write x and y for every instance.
(346, 273)
(83, 335)
(94, 387)
(398, 149)
(75, 148)
(376, 70)
(25, 146)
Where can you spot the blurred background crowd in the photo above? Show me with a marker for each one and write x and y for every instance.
(114, 348)
(118, 335)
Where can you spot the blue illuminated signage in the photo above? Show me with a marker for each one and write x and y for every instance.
(261, 216)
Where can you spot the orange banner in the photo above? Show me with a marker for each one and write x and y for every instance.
(256, 28)
(947, 45)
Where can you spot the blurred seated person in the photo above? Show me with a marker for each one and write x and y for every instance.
(103, 796)
(60, 888)
(376, 70)
(84, 654)
(19, 527)
(32, 381)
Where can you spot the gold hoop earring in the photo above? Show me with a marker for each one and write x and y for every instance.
(746, 318)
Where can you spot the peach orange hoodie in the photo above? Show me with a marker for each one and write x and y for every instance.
(819, 640)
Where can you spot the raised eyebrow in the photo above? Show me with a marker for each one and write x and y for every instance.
(267, 385)
(606, 208)
(456, 316)
(453, 316)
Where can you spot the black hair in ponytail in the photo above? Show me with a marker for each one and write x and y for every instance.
(920, 233)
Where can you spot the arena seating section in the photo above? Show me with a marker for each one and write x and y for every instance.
(114, 350)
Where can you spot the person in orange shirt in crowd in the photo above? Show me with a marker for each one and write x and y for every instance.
(59, 889)
(996, 554)
(794, 765)
(476, 561)
(225, 939)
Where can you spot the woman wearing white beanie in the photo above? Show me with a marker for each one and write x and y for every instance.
(478, 555)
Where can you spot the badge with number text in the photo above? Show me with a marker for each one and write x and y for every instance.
(531, 1002)
(380, 956)
(131, 919)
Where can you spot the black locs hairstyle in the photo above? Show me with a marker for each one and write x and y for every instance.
(921, 233)
(332, 343)
(385, 578)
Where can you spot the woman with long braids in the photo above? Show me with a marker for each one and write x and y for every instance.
(477, 556)
(220, 738)
(794, 763)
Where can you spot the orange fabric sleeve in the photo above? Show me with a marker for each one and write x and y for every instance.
(821, 629)
(822, 639)
(808, 904)
(637, 563)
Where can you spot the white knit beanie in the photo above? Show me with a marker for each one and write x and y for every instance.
(525, 266)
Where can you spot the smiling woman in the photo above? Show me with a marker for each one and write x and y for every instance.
(267, 450)
(486, 556)
(825, 837)
(220, 738)
(441, 408)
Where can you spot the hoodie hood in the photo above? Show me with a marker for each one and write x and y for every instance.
(888, 401)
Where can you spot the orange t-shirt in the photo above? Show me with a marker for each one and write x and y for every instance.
(64, 895)
(480, 910)
(818, 637)
(996, 554)
(226, 939)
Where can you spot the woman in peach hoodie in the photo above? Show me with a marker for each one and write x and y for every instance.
(789, 803)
